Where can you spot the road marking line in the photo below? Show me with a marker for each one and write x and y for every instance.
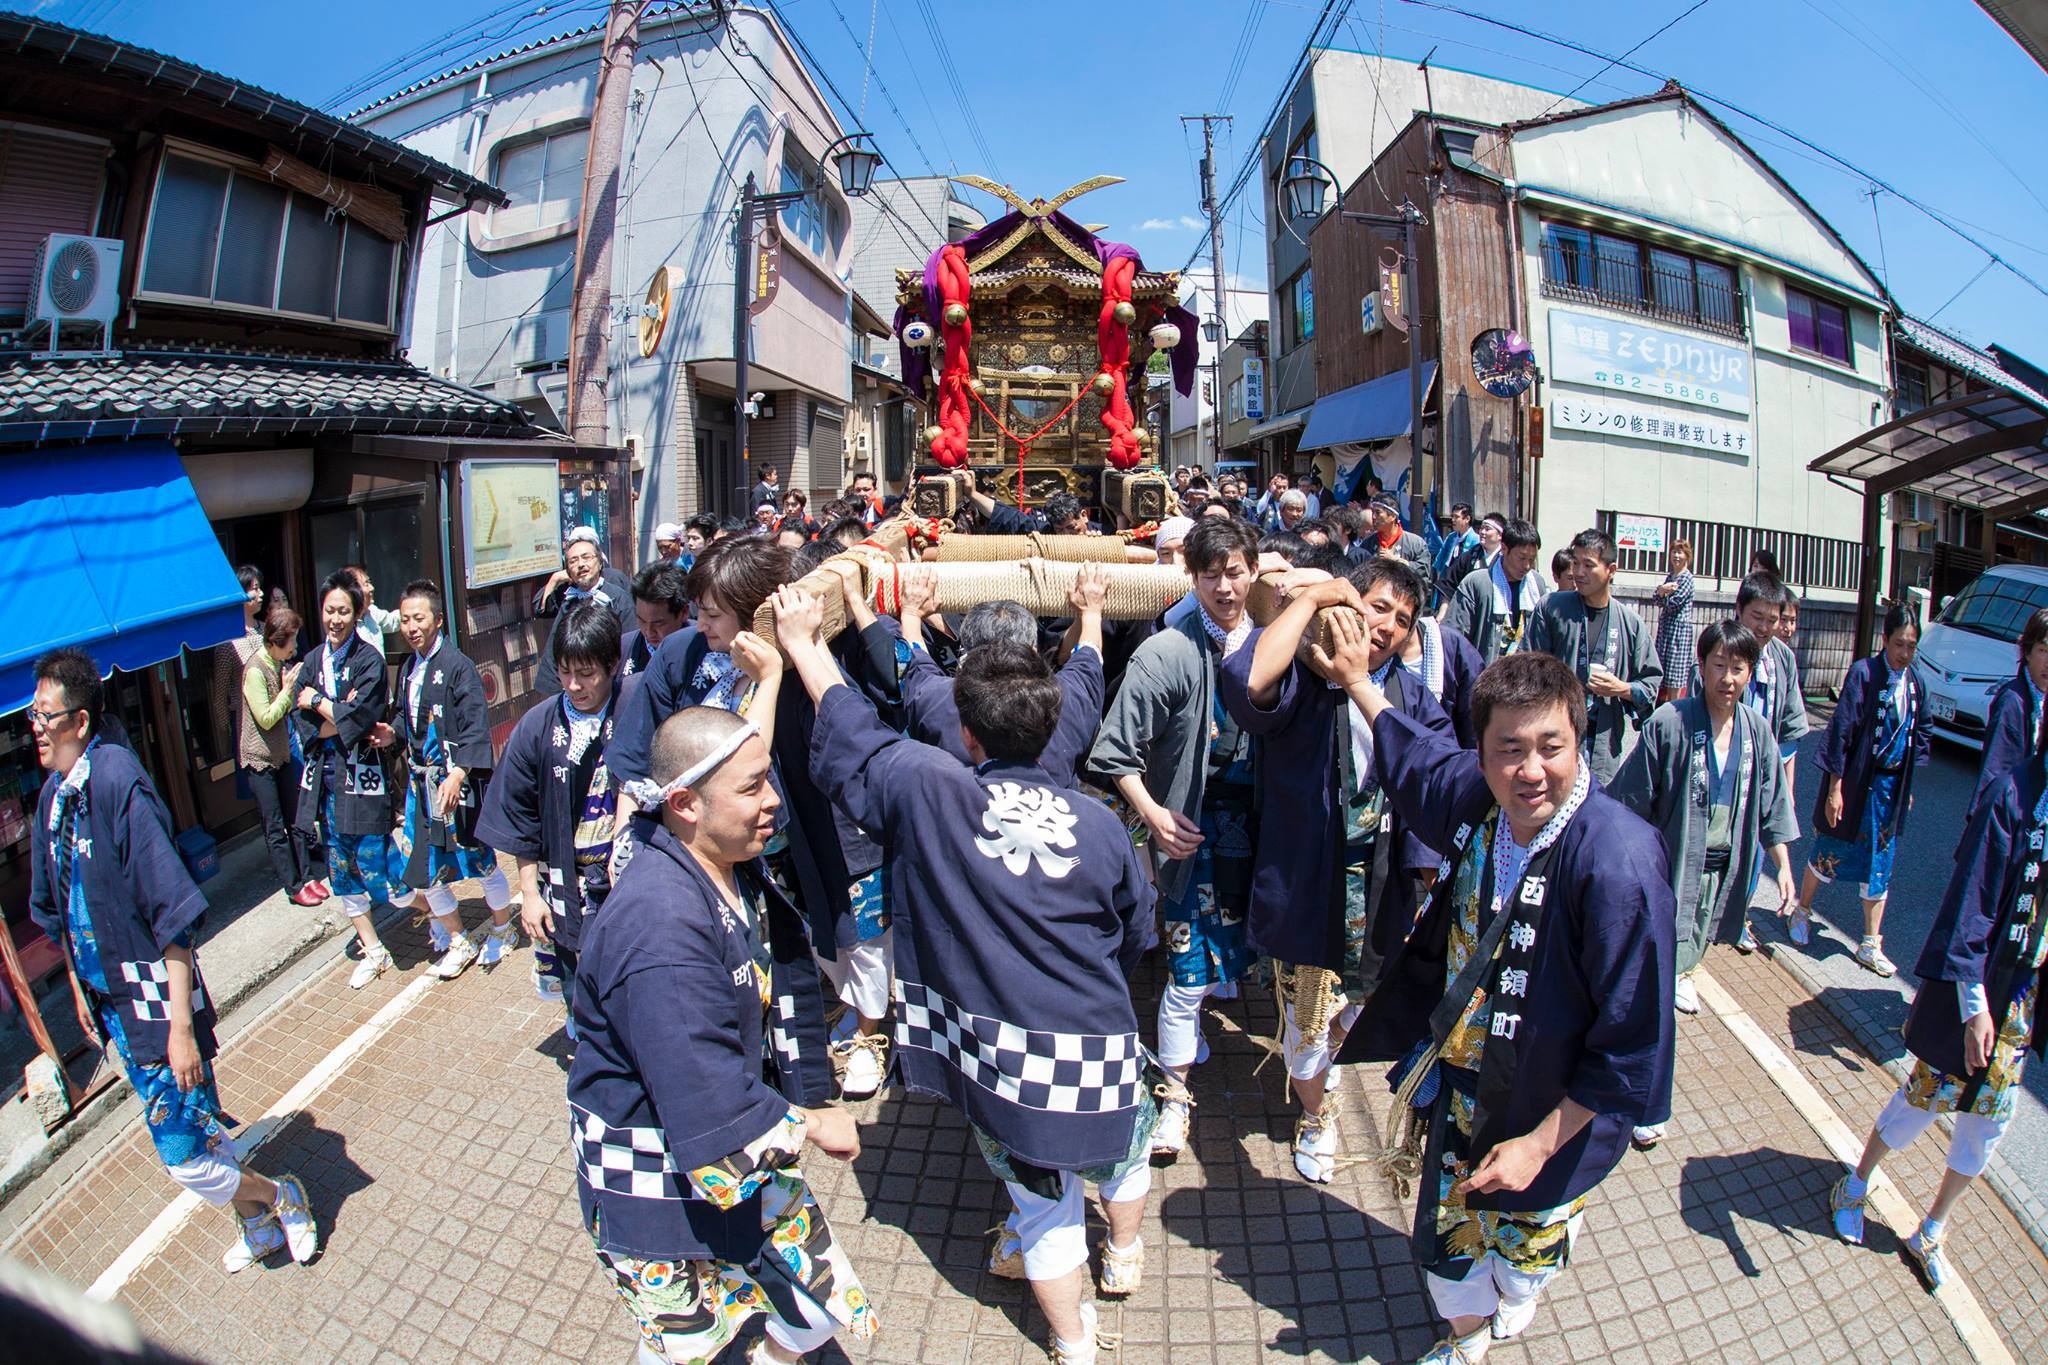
(166, 1225)
(1955, 1298)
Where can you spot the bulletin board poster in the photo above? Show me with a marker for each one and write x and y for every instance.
(512, 510)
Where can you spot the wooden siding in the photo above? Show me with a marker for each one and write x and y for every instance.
(1465, 286)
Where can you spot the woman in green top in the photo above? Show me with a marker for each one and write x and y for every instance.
(263, 749)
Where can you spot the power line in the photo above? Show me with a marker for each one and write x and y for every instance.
(952, 75)
(1779, 128)
(441, 55)
(1246, 35)
(1613, 62)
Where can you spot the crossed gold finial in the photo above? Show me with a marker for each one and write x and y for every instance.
(1038, 208)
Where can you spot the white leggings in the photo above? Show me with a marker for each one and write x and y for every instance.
(860, 974)
(1969, 1151)
(213, 1176)
(1307, 1063)
(1180, 1023)
(441, 896)
(1488, 1286)
(1054, 1232)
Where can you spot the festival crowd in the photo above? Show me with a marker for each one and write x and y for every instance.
(1465, 817)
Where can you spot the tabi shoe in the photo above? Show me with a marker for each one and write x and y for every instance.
(1685, 997)
(1927, 1254)
(1460, 1350)
(260, 1238)
(546, 984)
(376, 961)
(1799, 926)
(1746, 942)
(1648, 1136)
(1081, 1352)
(499, 940)
(1315, 1147)
(1848, 1211)
(1122, 1271)
(861, 1062)
(1006, 1254)
(461, 952)
(1513, 1316)
(1176, 1106)
(295, 1217)
(1870, 955)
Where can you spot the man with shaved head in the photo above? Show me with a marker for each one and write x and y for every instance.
(701, 1049)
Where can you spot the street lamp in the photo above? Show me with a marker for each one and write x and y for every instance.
(858, 161)
(1307, 182)
(1211, 330)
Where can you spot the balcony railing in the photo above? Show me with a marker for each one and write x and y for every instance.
(1721, 552)
(1668, 297)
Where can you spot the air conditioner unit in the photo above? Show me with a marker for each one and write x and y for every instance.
(77, 279)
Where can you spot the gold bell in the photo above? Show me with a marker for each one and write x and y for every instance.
(933, 433)
(977, 386)
(956, 314)
(1144, 438)
(1125, 314)
(1104, 382)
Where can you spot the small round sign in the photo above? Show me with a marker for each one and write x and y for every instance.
(1503, 362)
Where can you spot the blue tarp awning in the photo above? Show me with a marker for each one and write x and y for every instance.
(1377, 410)
(106, 547)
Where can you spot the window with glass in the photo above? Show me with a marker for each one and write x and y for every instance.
(1818, 326)
(1236, 400)
(816, 220)
(1912, 387)
(1298, 307)
(543, 179)
(1619, 272)
(1996, 605)
(219, 236)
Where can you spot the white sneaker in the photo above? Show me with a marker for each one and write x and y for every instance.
(1685, 997)
(1122, 1271)
(1644, 1138)
(860, 1063)
(1799, 927)
(376, 961)
(461, 952)
(499, 940)
(295, 1217)
(260, 1237)
(1315, 1147)
(1081, 1352)
(1513, 1316)
(1746, 943)
(1870, 954)
(1170, 1138)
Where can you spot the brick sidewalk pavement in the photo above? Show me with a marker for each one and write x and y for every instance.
(438, 1168)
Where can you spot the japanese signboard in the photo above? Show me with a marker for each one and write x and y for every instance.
(1393, 303)
(767, 272)
(511, 509)
(1645, 422)
(1255, 388)
(1369, 313)
(1639, 533)
(1644, 359)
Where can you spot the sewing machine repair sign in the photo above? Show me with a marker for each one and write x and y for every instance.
(1647, 361)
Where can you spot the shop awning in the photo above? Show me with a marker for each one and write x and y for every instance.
(1272, 426)
(105, 547)
(1377, 410)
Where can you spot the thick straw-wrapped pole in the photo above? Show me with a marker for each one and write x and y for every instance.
(1265, 604)
(1069, 549)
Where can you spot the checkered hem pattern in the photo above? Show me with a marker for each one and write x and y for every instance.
(1063, 1073)
(629, 1161)
(152, 993)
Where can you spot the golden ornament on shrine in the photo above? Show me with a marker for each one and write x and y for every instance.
(977, 386)
(956, 314)
(1104, 383)
(1124, 314)
(933, 433)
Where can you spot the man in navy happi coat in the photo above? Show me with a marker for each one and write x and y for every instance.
(1025, 907)
(1539, 976)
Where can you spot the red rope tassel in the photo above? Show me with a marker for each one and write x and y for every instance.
(1113, 341)
(949, 447)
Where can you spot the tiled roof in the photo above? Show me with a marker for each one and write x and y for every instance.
(164, 392)
(1958, 354)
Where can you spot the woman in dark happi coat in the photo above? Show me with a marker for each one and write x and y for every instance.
(445, 727)
(1706, 773)
(1879, 734)
(2014, 731)
(1976, 1015)
(344, 801)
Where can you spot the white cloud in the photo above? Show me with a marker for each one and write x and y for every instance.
(1188, 221)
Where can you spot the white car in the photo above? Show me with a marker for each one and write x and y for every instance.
(1973, 647)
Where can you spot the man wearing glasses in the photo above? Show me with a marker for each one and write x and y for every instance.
(107, 883)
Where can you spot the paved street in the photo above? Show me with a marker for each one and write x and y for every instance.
(435, 1156)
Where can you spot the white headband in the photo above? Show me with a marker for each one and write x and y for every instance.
(649, 796)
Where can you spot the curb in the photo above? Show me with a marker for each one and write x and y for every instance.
(2027, 1207)
(93, 1116)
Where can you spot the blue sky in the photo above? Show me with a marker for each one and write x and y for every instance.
(1929, 95)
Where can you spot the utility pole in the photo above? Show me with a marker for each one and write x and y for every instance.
(1214, 210)
(590, 305)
